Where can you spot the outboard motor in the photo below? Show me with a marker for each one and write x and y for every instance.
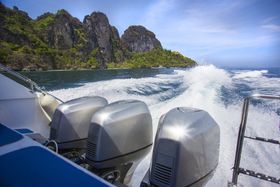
(186, 149)
(120, 135)
(71, 121)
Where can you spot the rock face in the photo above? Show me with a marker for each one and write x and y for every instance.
(115, 33)
(140, 39)
(58, 40)
(62, 32)
(99, 35)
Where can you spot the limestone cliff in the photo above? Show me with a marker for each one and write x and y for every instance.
(140, 39)
(61, 41)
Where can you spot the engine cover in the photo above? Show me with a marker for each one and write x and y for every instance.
(120, 135)
(186, 149)
(71, 121)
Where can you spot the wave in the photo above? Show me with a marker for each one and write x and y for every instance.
(200, 87)
(250, 74)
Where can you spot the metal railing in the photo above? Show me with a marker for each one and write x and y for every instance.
(241, 135)
(32, 85)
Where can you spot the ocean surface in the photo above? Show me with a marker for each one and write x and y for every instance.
(218, 91)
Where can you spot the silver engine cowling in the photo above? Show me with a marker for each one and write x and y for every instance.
(186, 150)
(120, 135)
(71, 121)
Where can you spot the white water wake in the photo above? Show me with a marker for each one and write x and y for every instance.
(250, 74)
(202, 89)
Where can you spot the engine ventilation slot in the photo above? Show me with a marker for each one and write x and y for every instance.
(162, 174)
(91, 149)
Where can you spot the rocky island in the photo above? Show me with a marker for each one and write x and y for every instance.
(60, 41)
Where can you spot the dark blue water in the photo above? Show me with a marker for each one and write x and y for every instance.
(245, 81)
(52, 80)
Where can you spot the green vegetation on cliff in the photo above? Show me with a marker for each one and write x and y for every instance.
(60, 41)
(155, 58)
(44, 21)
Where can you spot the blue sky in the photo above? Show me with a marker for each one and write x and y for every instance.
(233, 33)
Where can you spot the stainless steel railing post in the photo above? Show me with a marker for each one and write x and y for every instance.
(241, 133)
(240, 140)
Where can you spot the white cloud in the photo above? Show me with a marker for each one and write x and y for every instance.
(200, 30)
(272, 27)
(269, 19)
(157, 11)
